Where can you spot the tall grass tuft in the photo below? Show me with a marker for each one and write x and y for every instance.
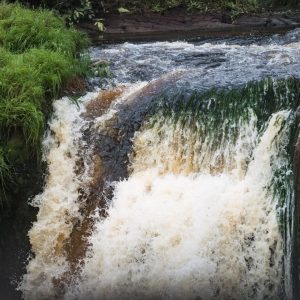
(22, 29)
(38, 54)
(23, 116)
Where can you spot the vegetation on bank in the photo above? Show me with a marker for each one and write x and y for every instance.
(74, 10)
(38, 55)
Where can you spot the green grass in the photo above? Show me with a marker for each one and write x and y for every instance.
(22, 116)
(22, 29)
(35, 74)
(38, 55)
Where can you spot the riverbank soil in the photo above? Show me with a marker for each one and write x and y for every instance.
(178, 23)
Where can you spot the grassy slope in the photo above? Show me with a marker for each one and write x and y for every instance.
(38, 54)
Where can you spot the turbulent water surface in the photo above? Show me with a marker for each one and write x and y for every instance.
(173, 180)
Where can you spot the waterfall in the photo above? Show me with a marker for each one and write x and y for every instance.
(160, 190)
(58, 205)
(190, 235)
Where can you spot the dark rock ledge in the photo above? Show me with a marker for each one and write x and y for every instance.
(178, 24)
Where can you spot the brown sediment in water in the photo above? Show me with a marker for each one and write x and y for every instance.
(94, 194)
(91, 196)
(77, 244)
(109, 160)
(101, 104)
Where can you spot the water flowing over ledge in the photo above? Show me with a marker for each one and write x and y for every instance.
(175, 180)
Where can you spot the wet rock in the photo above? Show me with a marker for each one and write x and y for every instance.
(177, 23)
(108, 156)
(253, 21)
(279, 22)
(100, 62)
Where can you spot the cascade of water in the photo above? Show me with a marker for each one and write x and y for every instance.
(57, 205)
(200, 189)
(188, 235)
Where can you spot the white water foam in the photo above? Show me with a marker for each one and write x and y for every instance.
(57, 204)
(184, 149)
(187, 236)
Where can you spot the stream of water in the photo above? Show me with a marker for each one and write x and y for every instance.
(174, 178)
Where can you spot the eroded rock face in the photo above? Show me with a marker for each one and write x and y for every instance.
(16, 217)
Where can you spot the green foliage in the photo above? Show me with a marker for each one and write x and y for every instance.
(123, 10)
(82, 10)
(102, 70)
(76, 10)
(100, 25)
(71, 10)
(38, 54)
(24, 115)
(21, 29)
(190, 5)
(283, 2)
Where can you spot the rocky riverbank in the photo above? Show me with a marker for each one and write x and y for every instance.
(178, 23)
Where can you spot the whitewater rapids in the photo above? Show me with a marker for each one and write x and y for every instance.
(201, 236)
(193, 219)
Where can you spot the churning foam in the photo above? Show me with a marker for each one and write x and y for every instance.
(172, 147)
(189, 235)
(57, 204)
